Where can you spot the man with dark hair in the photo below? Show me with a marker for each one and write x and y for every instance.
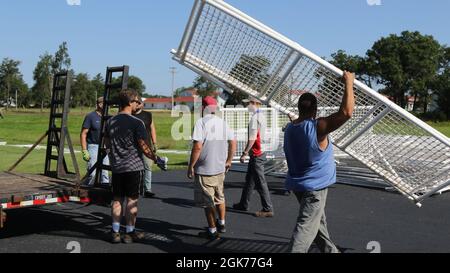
(127, 140)
(307, 105)
(147, 118)
(212, 153)
(311, 167)
(90, 140)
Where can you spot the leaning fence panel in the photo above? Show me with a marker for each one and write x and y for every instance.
(240, 53)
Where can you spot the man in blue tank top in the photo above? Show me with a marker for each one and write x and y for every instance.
(312, 169)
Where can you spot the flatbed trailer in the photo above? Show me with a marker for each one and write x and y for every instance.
(19, 191)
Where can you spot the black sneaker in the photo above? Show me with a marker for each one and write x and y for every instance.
(149, 194)
(208, 235)
(220, 228)
(238, 206)
(115, 237)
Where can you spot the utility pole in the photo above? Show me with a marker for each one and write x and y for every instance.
(16, 100)
(173, 71)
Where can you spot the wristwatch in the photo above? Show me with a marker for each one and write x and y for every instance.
(244, 153)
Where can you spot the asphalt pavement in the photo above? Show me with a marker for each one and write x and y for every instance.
(360, 220)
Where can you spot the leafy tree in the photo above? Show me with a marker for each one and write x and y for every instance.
(82, 91)
(204, 87)
(354, 63)
(44, 71)
(405, 65)
(137, 84)
(42, 75)
(178, 91)
(134, 82)
(9, 73)
(251, 71)
(346, 62)
(98, 85)
(441, 84)
(61, 60)
(23, 94)
(441, 87)
(446, 57)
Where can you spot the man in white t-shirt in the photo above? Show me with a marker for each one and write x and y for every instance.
(255, 178)
(214, 145)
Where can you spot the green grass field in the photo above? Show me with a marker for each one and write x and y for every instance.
(443, 127)
(407, 129)
(27, 126)
(34, 163)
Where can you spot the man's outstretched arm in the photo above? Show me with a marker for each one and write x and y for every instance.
(331, 123)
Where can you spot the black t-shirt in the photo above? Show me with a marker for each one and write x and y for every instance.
(124, 131)
(146, 117)
(93, 122)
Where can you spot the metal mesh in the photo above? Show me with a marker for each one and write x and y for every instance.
(231, 48)
(404, 154)
(238, 119)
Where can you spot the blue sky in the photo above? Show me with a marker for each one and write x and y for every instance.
(141, 33)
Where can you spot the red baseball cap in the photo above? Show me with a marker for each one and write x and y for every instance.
(209, 101)
(209, 105)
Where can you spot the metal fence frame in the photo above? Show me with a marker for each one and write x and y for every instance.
(386, 108)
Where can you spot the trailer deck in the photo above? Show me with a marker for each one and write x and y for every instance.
(30, 190)
(23, 190)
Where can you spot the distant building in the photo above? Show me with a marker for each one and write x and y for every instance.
(158, 103)
(432, 105)
(187, 97)
(410, 103)
(166, 103)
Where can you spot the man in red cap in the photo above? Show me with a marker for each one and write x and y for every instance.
(214, 145)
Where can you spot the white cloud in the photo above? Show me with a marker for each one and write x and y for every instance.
(73, 2)
(374, 2)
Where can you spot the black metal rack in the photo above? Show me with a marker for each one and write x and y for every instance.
(108, 101)
(58, 133)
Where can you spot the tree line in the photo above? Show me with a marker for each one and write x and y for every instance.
(409, 65)
(84, 89)
(402, 66)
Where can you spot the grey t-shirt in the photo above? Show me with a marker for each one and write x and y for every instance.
(214, 133)
(124, 131)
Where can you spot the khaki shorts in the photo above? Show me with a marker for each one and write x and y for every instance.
(208, 190)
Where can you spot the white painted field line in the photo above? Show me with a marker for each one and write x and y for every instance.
(41, 147)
